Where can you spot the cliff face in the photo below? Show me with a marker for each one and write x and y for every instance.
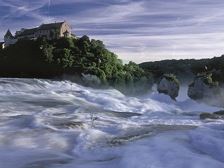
(169, 85)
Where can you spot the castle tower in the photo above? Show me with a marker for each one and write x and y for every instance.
(8, 35)
(9, 38)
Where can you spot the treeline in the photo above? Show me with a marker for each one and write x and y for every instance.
(185, 70)
(75, 57)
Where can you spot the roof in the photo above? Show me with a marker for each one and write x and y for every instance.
(51, 26)
(26, 32)
(8, 34)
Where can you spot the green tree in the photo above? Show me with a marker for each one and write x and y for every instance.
(64, 57)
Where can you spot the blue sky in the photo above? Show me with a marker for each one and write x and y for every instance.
(137, 30)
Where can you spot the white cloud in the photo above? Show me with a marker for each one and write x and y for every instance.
(183, 46)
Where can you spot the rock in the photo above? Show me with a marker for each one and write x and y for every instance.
(91, 80)
(169, 85)
(204, 116)
(203, 89)
(215, 115)
(63, 124)
(219, 113)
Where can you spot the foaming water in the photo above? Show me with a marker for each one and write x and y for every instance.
(52, 124)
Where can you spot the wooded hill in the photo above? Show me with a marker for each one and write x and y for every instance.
(76, 57)
(185, 70)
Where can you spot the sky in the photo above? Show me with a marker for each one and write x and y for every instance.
(136, 30)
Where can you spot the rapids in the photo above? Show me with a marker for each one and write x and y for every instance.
(59, 124)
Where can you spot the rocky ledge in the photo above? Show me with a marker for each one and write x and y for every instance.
(215, 115)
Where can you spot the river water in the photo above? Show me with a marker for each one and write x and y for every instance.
(52, 124)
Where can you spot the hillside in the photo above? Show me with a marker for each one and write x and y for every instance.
(185, 70)
(83, 59)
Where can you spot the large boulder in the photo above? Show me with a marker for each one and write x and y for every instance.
(203, 87)
(169, 85)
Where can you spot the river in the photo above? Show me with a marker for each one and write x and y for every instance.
(59, 124)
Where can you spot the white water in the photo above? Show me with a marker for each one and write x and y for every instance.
(47, 124)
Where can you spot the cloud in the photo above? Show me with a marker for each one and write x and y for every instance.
(138, 30)
(151, 48)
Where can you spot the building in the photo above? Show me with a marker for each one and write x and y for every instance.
(9, 39)
(49, 31)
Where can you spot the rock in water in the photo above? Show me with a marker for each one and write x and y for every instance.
(202, 87)
(91, 80)
(169, 85)
(215, 115)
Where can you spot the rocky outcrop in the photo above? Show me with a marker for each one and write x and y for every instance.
(169, 85)
(203, 87)
(215, 115)
(91, 80)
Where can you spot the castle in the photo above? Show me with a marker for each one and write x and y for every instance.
(49, 31)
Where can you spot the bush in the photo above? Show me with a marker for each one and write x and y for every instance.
(171, 77)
